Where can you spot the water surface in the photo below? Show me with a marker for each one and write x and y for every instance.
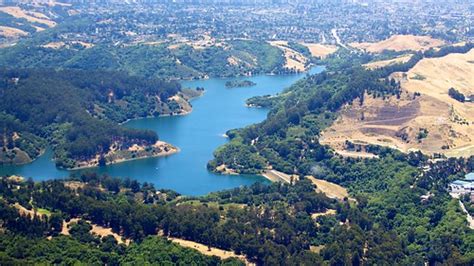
(197, 135)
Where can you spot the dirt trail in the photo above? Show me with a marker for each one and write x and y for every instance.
(326, 213)
(469, 218)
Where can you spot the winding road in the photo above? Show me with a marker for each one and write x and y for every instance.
(338, 40)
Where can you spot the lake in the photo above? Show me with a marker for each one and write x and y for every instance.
(197, 135)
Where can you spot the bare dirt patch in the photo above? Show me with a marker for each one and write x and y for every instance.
(432, 123)
(320, 50)
(316, 249)
(377, 121)
(400, 43)
(225, 170)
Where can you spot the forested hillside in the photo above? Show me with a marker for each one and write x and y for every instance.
(81, 121)
(389, 188)
(268, 224)
(288, 139)
(162, 60)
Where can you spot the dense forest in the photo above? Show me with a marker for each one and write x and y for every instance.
(270, 224)
(82, 120)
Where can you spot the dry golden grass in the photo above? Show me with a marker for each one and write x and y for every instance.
(25, 212)
(105, 231)
(330, 189)
(384, 63)
(16, 178)
(96, 229)
(294, 59)
(400, 43)
(375, 122)
(54, 45)
(9, 32)
(442, 113)
(397, 123)
(56, 3)
(172, 46)
(316, 249)
(320, 50)
(28, 15)
(327, 213)
(354, 154)
(208, 251)
(74, 185)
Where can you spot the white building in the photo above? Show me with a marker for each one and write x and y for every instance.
(461, 187)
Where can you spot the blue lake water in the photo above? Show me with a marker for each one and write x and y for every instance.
(197, 135)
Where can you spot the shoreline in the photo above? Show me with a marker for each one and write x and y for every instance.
(166, 115)
(284, 73)
(288, 72)
(163, 154)
(42, 151)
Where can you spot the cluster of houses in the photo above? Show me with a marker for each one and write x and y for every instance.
(462, 187)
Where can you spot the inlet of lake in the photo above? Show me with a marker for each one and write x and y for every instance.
(197, 135)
